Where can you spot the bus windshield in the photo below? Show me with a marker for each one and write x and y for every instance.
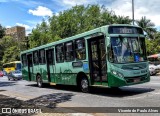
(128, 49)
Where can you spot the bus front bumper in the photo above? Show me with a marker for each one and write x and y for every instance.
(114, 81)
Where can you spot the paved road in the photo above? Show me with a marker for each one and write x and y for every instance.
(142, 95)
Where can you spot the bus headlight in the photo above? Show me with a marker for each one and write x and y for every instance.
(116, 73)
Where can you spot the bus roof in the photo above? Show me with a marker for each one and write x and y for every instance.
(81, 35)
(12, 62)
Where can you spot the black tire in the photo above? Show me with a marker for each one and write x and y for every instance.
(8, 79)
(84, 85)
(39, 81)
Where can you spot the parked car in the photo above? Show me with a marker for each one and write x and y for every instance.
(1, 74)
(4, 73)
(152, 69)
(15, 75)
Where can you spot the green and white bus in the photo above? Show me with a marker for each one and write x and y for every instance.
(111, 55)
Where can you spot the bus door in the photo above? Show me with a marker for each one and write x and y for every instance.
(30, 66)
(97, 60)
(50, 64)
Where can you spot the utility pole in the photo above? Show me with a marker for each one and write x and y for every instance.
(133, 11)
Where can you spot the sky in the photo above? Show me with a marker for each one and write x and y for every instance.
(29, 13)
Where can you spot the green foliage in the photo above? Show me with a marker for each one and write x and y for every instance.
(11, 54)
(2, 31)
(10, 49)
(73, 21)
(147, 26)
(153, 45)
(40, 35)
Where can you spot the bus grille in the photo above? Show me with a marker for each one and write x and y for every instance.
(134, 79)
(134, 66)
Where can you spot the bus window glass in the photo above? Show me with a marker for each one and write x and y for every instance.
(50, 56)
(128, 49)
(24, 60)
(42, 56)
(80, 49)
(94, 50)
(59, 53)
(135, 46)
(103, 49)
(69, 56)
(35, 58)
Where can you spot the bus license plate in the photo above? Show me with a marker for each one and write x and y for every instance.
(136, 80)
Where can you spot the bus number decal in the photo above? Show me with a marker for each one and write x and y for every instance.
(77, 64)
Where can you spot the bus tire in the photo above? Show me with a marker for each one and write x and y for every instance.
(84, 85)
(39, 81)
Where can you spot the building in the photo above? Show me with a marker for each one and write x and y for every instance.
(17, 32)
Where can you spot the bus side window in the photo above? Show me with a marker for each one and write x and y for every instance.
(80, 49)
(24, 60)
(59, 53)
(51, 56)
(69, 51)
(35, 58)
(42, 56)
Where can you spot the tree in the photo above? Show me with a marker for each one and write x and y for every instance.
(73, 21)
(9, 49)
(2, 31)
(11, 54)
(147, 26)
(40, 35)
(122, 19)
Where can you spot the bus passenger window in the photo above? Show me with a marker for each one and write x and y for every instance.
(59, 53)
(35, 58)
(69, 54)
(51, 56)
(80, 49)
(24, 60)
(42, 57)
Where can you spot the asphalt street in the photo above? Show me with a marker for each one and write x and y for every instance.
(142, 95)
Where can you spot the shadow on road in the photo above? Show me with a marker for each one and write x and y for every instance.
(51, 100)
(58, 87)
(47, 103)
(120, 92)
(103, 91)
(2, 84)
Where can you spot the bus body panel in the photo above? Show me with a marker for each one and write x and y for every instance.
(25, 73)
(35, 72)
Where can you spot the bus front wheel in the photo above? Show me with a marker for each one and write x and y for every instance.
(84, 85)
(39, 81)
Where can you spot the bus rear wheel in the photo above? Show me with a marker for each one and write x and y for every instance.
(84, 85)
(39, 81)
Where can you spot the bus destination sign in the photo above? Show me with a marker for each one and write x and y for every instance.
(124, 30)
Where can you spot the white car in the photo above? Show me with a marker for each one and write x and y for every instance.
(152, 69)
(158, 66)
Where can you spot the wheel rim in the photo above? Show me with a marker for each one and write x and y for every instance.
(84, 85)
